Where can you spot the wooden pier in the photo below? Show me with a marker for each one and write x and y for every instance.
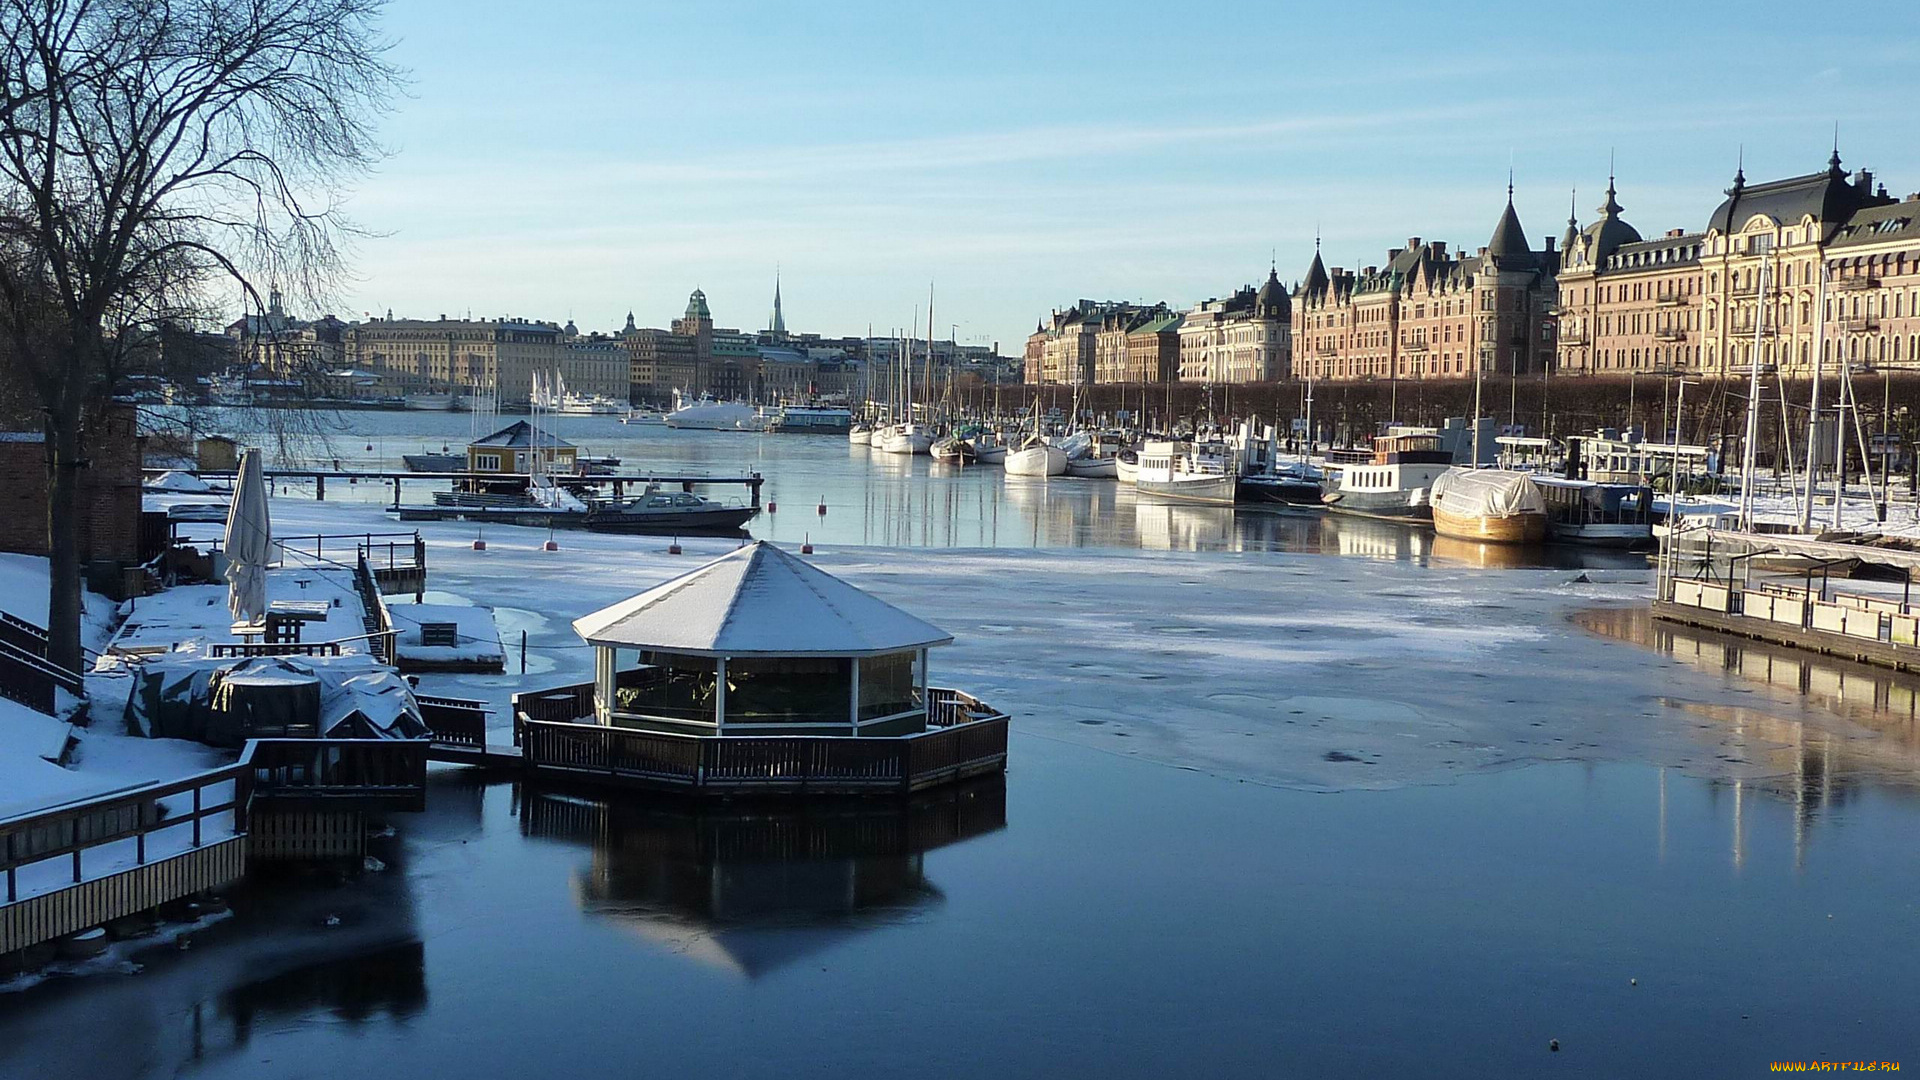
(617, 482)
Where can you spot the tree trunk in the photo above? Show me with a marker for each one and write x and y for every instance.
(63, 535)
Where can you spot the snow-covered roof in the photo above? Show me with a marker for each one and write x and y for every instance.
(758, 601)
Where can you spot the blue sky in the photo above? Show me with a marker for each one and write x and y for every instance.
(582, 159)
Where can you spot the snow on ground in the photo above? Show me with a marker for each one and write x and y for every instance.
(23, 594)
(192, 617)
(478, 639)
(1299, 670)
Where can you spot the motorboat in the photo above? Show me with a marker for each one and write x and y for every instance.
(659, 512)
(644, 416)
(1202, 472)
(431, 402)
(1494, 506)
(1392, 481)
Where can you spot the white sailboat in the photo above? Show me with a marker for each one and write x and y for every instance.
(1036, 456)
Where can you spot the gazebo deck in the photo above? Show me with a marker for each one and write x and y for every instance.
(559, 737)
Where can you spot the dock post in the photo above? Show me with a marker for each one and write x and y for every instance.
(753, 488)
(396, 492)
(319, 487)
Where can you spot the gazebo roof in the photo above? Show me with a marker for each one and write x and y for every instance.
(758, 601)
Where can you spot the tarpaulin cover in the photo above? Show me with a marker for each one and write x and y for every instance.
(1488, 493)
(225, 702)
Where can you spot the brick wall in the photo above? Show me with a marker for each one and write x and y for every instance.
(109, 525)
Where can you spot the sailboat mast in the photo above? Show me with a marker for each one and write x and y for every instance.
(1813, 403)
(1750, 456)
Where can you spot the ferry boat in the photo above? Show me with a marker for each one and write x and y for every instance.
(1593, 512)
(1392, 482)
(1203, 472)
(590, 405)
(707, 414)
(811, 420)
(431, 402)
(1492, 506)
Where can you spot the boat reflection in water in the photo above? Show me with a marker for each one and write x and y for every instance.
(1807, 759)
(750, 888)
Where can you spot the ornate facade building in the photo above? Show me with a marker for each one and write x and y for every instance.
(1245, 338)
(1628, 304)
(1428, 314)
(1749, 287)
(440, 355)
(1136, 345)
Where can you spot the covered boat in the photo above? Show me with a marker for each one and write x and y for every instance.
(1496, 506)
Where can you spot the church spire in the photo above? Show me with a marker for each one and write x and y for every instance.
(778, 324)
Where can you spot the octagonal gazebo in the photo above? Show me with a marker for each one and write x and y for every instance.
(760, 670)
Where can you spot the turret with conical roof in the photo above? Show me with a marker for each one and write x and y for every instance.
(1509, 238)
(1316, 283)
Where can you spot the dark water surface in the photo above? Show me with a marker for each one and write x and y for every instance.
(1094, 916)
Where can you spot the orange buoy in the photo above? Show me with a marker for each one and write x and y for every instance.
(550, 546)
(806, 546)
(674, 548)
(772, 507)
(822, 508)
(479, 545)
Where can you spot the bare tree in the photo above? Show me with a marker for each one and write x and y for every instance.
(149, 151)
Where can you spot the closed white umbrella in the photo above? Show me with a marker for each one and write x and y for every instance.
(249, 542)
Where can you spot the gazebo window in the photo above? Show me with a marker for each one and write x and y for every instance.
(889, 685)
(788, 689)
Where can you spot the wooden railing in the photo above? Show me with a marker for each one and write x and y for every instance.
(458, 722)
(70, 831)
(386, 773)
(35, 681)
(226, 649)
(965, 737)
(131, 850)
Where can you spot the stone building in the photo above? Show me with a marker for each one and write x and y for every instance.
(1248, 337)
(440, 355)
(1873, 285)
(1428, 314)
(284, 347)
(1137, 345)
(1628, 304)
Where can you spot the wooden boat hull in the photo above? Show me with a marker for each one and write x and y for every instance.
(1037, 461)
(1211, 490)
(1094, 468)
(1511, 529)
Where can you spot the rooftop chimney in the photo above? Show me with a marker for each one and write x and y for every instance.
(1413, 243)
(1676, 233)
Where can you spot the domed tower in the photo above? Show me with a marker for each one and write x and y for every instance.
(1271, 302)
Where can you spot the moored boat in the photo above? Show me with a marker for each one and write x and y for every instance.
(659, 512)
(1392, 482)
(907, 438)
(1036, 458)
(1126, 466)
(1191, 472)
(860, 434)
(709, 415)
(1592, 512)
(951, 450)
(1494, 506)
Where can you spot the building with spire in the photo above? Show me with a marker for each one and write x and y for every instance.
(777, 323)
(1430, 313)
(1627, 304)
(1247, 337)
(1747, 288)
